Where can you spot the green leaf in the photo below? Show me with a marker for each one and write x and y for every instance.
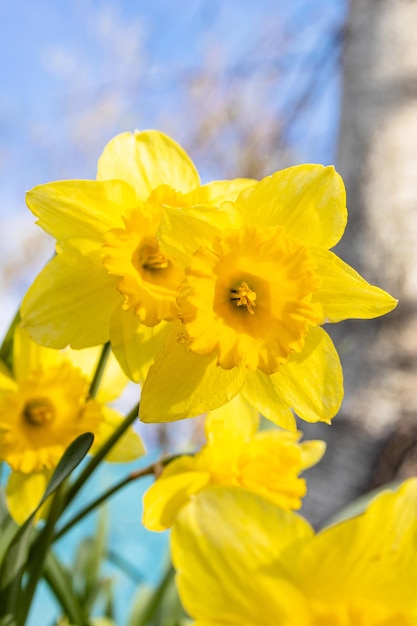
(90, 555)
(6, 349)
(101, 453)
(171, 611)
(72, 457)
(125, 566)
(4, 513)
(108, 594)
(8, 620)
(7, 534)
(158, 607)
(97, 552)
(60, 582)
(15, 559)
(139, 605)
(8, 526)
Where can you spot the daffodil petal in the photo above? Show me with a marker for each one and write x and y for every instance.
(309, 200)
(376, 549)
(80, 209)
(145, 160)
(86, 360)
(79, 285)
(24, 492)
(218, 191)
(166, 497)
(113, 380)
(180, 465)
(134, 344)
(183, 232)
(222, 543)
(182, 384)
(232, 423)
(28, 355)
(312, 452)
(260, 391)
(129, 447)
(311, 383)
(345, 294)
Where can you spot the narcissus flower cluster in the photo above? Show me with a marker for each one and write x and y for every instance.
(44, 406)
(253, 302)
(213, 297)
(204, 291)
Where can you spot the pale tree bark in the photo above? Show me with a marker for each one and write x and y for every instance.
(373, 440)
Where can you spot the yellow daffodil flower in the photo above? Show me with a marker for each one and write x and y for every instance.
(253, 302)
(243, 561)
(236, 454)
(112, 278)
(44, 406)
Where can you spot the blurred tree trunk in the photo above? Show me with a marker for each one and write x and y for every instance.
(373, 440)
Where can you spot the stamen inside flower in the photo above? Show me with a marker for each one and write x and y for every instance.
(244, 296)
(148, 278)
(48, 410)
(148, 256)
(250, 298)
(38, 412)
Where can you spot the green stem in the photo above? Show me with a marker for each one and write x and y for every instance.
(154, 469)
(101, 366)
(37, 556)
(147, 471)
(100, 455)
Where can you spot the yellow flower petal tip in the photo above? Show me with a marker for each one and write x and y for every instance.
(24, 493)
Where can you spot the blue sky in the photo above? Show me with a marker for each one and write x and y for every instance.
(56, 57)
(76, 72)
